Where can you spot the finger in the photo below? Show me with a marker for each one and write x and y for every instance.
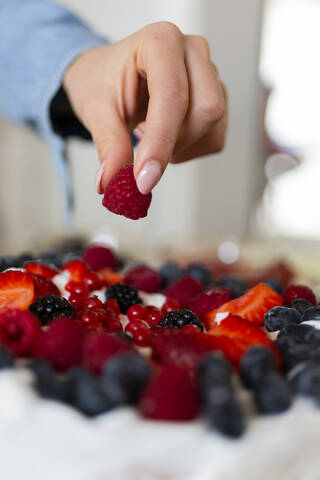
(112, 140)
(164, 67)
(206, 103)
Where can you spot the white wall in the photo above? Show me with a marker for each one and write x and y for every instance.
(207, 197)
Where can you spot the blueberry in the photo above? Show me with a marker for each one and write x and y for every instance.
(312, 313)
(200, 273)
(236, 285)
(279, 317)
(296, 355)
(86, 393)
(307, 381)
(272, 394)
(180, 318)
(6, 358)
(124, 377)
(301, 304)
(7, 261)
(255, 363)
(299, 334)
(224, 412)
(169, 272)
(50, 258)
(214, 369)
(275, 284)
(47, 383)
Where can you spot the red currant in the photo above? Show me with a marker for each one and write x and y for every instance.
(114, 326)
(92, 302)
(170, 305)
(142, 337)
(76, 301)
(134, 325)
(90, 319)
(152, 315)
(113, 305)
(77, 288)
(136, 312)
(92, 281)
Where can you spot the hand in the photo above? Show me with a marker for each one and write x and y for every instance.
(159, 83)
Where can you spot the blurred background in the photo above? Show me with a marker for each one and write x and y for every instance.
(265, 183)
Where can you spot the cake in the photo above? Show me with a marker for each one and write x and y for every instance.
(131, 372)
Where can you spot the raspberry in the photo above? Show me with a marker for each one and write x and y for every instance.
(18, 331)
(180, 318)
(184, 290)
(143, 278)
(61, 345)
(98, 257)
(298, 291)
(99, 347)
(50, 306)
(172, 345)
(123, 197)
(170, 395)
(210, 300)
(125, 295)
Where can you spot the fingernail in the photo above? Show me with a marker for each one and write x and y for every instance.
(149, 177)
(138, 133)
(99, 178)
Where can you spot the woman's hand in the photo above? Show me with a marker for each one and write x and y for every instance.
(159, 83)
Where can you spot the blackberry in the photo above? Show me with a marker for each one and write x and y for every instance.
(200, 273)
(124, 378)
(125, 295)
(272, 394)
(254, 364)
(279, 317)
(180, 318)
(50, 306)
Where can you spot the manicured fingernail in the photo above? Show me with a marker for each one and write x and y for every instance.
(149, 177)
(99, 178)
(138, 133)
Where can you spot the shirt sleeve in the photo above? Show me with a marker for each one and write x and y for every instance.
(38, 40)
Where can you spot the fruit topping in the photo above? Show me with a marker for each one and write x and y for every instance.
(143, 278)
(298, 291)
(210, 300)
(184, 290)
(279, 317)
(19, 331)
(98, 257)
(50, 306)
(180, 318)
(17, 290)
(125, 295)
(272, 394)
(256, 362)
(201, 273)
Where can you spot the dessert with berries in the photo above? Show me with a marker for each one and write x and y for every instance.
(176, 372)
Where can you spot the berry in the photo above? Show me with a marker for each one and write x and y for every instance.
(136, 312)
(298, 354)
(200, 273)
(77, 288)
(256, 362)
(86, 393)
(140, 333)
(170, 395)
(293, 335)
(279, 317)
(76, 301)
(210, 300)
(301, 305)
(113, 305)
(170, 305)
(43, 286)
(180, 318)
(224, 412)
(298, 291)
(16, 290)
(125, 295)
(234, 335)
(77, 269)
(50, 258)
(275, 284)
(272, 394)
(18, 331)
(92, 281)
(312, 313)
(61, 345)
(50, 306)
(90, 319)
(236, 285)
(307, 381)
(152, 315)
(109, 277)
(6, 358)
(41, 269)
(143, 278)
(184, 290)
(124, 378)
(123, 197)
(169, 272)
(98, 257)
(100, 347)
(251, 306)
(214, 369)
(91, 302)
(47, 384)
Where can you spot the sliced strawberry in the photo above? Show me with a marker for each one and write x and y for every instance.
(251, 306)
(43, 286)
(77, 269)
(16, 290)
(41, 269)
(234, 335)
(110, 277)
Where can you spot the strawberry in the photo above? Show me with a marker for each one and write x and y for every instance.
(109, 277)
(77, 269)
(251, 306)
(17, 290)
(233, 336)
(41, 269)
(43, 286)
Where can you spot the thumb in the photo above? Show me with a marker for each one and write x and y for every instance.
(113, 143)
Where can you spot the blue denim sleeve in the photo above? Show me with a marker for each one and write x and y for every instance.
(38, 40)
